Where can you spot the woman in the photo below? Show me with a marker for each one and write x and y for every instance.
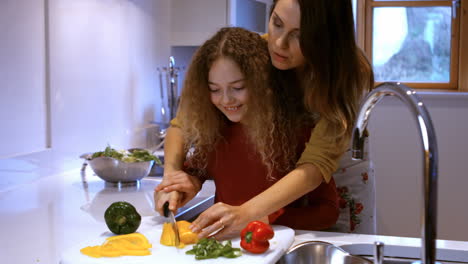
(312, 45)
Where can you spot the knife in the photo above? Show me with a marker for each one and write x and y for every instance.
(170, 214)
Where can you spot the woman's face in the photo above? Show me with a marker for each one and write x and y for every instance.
(283, 35)
(227, 89)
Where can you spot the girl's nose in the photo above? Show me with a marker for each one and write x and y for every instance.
(227, 98)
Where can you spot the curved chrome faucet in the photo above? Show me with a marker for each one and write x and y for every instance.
(430, 155)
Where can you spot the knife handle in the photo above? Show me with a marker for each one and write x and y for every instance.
(166, 209)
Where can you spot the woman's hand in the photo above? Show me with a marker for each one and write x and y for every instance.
(229, 220)
(186, 185)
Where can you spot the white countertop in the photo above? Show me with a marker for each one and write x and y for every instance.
(40, 220)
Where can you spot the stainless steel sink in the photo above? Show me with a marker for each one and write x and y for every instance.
(389, 260)
(395, 254)
(312, 252)
(398, 261)
(319, 252)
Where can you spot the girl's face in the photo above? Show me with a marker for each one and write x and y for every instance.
(283, 35)
(227, 89)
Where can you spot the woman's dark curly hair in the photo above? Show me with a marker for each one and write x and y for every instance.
(269, 125)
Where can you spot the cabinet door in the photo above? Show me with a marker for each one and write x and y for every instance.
(250, 14)
(194, 21)
(23, 91)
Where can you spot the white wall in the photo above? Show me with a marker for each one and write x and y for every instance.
(98, 78)
(104, 56)
(395, 149)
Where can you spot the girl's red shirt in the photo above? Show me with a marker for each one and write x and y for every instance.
(239, 174)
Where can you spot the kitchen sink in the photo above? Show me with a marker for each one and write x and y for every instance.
(398, 260)
(312, 252)
(402, 261)
(319, 252)
(388, 260)
(396, 254)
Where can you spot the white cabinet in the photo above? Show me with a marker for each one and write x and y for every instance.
(23, 90)
(250, 14)
(194, 21)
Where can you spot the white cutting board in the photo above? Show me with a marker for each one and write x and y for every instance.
(280, 243)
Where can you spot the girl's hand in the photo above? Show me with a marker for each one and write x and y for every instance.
(229, 220)
(161, 197)
(180, 181)
(185, 185)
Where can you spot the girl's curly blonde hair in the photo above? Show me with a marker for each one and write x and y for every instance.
(270, 120)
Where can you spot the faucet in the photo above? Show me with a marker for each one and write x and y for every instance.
(430, 156)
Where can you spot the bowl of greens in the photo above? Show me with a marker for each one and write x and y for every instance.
(122, 166)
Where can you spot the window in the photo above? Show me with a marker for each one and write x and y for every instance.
(421, 43)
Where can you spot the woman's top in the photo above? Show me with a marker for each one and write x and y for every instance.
(322, 151)
(239, 175)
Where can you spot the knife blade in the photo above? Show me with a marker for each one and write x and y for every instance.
(168, 213)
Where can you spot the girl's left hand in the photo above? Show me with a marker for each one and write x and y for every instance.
(229, 220)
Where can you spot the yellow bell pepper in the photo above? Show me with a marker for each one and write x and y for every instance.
(186, 235)
(94, 251)
(134, 244)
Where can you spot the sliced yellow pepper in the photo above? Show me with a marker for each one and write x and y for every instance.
(134, 244)
(94, 251)
(186, 235)
(133, 240)
(110, 250)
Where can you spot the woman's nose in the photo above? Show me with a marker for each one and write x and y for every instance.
(282, 41)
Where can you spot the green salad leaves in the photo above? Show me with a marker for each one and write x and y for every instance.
(133, 155)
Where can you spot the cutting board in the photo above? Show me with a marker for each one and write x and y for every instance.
(152, 229)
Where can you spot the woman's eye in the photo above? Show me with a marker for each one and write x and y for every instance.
(277, 22)
(294, 35)
(213, 90)
(238, 88)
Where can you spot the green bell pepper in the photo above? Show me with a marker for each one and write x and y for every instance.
(122, 218)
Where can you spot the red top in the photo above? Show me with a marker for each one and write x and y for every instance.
(239, 175)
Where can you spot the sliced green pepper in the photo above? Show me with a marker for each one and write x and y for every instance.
(208, 248)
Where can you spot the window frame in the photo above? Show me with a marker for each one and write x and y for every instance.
(459, 46)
